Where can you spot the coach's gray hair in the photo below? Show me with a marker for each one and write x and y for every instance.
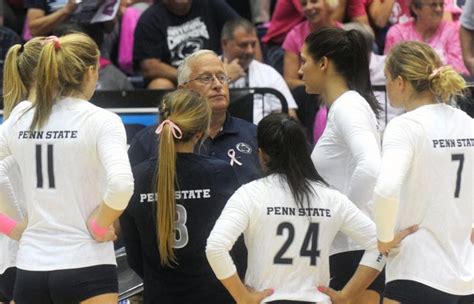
(184, 69)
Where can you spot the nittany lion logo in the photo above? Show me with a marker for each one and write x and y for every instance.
(244, 148)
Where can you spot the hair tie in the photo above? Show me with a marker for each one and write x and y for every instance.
(175, 130)
(55, 40)
(22, 48)
(436, 72)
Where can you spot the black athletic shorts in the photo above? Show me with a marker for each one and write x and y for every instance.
(64, 286)
(411, 292)
(7, 281)
(343, 265)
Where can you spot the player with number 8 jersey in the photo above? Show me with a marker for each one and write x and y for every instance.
(178, 197)
(289, 219)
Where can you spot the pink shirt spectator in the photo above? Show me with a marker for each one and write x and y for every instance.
(287, 14)
(400, 11)
(295, 39)
(445, 41)
(127, 31)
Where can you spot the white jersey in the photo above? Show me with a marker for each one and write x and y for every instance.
(10, 185)
(287, 249)
(77, 160)
(428, 170)
(347, 155)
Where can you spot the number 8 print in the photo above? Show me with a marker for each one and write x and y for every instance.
(181, 231)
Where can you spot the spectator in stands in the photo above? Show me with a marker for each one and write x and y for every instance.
(467, 36)
(381, 14)
(318, 15)
(428, 26)
(239, 42)
(287, 14)
(230, 139)
(44, 16)
(169, 31)
(128, 25)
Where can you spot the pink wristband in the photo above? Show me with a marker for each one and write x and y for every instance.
(99, 231)
(7, 224)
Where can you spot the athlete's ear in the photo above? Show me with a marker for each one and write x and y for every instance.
(323, 63)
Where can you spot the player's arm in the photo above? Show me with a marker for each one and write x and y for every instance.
(398, 154)
(229, 226)
(112, 150)
(10, 223)
(356, 131)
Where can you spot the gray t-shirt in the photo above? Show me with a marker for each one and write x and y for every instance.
(467, 17)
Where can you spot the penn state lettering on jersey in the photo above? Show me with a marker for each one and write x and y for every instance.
(59, 134)
(204, 184)
(180, 194)
(322, 212)
(453, 143)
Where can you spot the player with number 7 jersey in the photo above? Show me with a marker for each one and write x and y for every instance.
(426, 179)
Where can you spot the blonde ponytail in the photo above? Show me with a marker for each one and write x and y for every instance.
(19, 69)
(61, 68)
(419, 64)
(184, 114)
(446, 83)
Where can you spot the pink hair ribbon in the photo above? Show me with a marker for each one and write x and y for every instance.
(53, 39)
(174, 129)
(233, 159)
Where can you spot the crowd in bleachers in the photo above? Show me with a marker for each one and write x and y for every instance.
(145, 41)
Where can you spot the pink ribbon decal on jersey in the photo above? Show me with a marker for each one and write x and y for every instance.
(7, 224)
(174, 129)
(233, 159)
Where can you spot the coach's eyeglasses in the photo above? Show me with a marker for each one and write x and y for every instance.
(434, 5)
(207, 79)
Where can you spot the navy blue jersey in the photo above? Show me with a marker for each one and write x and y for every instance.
(237, 135)
(204, 186)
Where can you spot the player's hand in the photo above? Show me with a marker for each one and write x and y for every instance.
(233, 69)
(255, 297)
(337, 297)
(385, 247)
(17, 232)
(110, 235)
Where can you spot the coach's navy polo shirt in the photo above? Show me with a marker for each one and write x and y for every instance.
(238, 138)
(236, 134)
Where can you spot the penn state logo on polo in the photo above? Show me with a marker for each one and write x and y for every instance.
(244, 148)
